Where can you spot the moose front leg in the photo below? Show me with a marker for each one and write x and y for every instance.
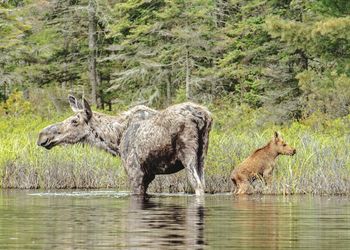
(139, 180)
(267, 176)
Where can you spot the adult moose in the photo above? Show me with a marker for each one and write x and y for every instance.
(149, 142)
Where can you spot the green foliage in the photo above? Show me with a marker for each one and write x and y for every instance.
(15, 105)
(328, 94)
(323, 44)
(333, 7)
(252, 52)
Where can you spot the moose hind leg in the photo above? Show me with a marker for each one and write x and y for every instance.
(203, 141)
(245, 188)
(191, 165)
(200, 167)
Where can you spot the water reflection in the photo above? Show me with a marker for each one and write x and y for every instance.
(275, 222)
(175, 225)
(113, 220)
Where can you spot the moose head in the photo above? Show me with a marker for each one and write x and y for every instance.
(70, 131)
(281, 146)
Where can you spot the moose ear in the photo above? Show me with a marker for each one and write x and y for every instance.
(74, 104)
(87, 109)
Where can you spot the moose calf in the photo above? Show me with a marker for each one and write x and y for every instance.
(260, 164)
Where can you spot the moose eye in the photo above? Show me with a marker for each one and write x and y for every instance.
(75, 122)
(284, 145)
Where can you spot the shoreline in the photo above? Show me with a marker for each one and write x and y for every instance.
(64, 178)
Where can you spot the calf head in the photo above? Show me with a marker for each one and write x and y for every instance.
(70, 131)
(280, 146)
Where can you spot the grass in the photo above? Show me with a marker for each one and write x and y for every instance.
(321, 165)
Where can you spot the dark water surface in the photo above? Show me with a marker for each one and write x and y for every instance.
(112, 220)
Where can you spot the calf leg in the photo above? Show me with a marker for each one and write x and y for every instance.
(242, 183)
(234, 187)
(244, 188)
(237, 180)
(267, 176)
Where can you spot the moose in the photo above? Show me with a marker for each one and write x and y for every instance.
(149, 142)
(260, 164)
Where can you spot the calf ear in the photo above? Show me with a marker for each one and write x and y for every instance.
(87, 109)
(277, 136)
(74, 104)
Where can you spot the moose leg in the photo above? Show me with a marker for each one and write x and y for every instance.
(189, 161)
(139, 180)
(244, 187)
(235, 183)
(136, 181)
(200, 171)
(147, 179)
(267, 176)
(202, 150)
(140, 183)
(239, 183)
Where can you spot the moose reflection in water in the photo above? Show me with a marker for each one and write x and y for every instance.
(116, 220)
(149, 142)
(174, 224)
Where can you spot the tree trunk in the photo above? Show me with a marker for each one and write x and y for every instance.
(99, 91)
(92, 51)
(168, 90)
(66, 52)
(221, 13)
(64, 82)
(188, 84)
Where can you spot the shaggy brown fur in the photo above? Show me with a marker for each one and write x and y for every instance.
(260, 164)
(149, 142)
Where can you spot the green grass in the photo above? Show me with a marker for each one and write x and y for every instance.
(321, 165)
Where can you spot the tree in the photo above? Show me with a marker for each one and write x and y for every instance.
(322, 39)
(165, 45)
(12, 31)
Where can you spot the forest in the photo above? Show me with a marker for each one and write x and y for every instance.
(258, 65)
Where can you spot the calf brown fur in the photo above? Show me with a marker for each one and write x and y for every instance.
(259, 165)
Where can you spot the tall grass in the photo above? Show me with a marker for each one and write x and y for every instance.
(321, 165)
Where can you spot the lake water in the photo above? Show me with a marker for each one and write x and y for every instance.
(116, 220)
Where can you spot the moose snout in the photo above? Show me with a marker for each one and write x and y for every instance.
(46, 136)
(42, 140)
